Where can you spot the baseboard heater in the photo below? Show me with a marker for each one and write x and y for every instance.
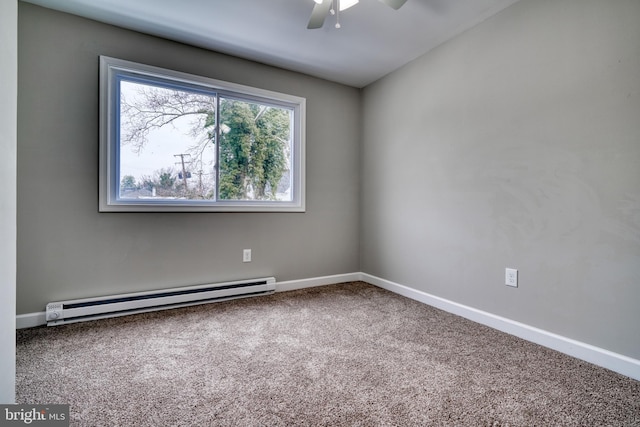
(79, 310)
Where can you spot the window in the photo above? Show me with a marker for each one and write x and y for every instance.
(172, 141)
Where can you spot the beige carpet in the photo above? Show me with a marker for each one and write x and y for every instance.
(348, 354)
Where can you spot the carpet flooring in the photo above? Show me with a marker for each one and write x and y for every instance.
(349, 354)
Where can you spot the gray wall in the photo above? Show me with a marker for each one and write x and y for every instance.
(8, 113)
(517, 144)
(66, 249)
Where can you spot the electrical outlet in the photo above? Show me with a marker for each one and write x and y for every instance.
(246, 255)
(511, 277)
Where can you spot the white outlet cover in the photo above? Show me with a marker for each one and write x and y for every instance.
(246, 255)
(511, 277)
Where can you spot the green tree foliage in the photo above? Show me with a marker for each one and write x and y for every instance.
(163, 180)
(252, 149)
(254, 140)
(166, 179)
(128, 182)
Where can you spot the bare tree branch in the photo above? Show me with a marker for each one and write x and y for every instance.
(152, 108)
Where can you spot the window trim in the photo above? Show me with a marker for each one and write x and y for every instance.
(112, 68)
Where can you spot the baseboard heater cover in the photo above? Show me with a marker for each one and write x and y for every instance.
(79, 310)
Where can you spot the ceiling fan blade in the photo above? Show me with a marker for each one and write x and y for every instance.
(396, 4)
(318, 14)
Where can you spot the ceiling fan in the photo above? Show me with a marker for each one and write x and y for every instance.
(333, 7)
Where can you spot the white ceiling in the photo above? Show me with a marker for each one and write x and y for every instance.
(373, 41)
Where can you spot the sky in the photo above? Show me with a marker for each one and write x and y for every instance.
(159, 151)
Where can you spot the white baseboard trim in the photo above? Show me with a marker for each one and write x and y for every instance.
(30, 320)
(292, 285)
(598, 356)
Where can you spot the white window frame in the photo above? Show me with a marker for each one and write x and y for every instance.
(109, 177)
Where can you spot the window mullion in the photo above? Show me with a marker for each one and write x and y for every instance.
(217, 145)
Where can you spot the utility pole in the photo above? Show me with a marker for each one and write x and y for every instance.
(184, 170)
(200, 181)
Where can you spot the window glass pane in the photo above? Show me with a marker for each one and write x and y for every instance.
(167, 143)
(178, 142)
(255, 151)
